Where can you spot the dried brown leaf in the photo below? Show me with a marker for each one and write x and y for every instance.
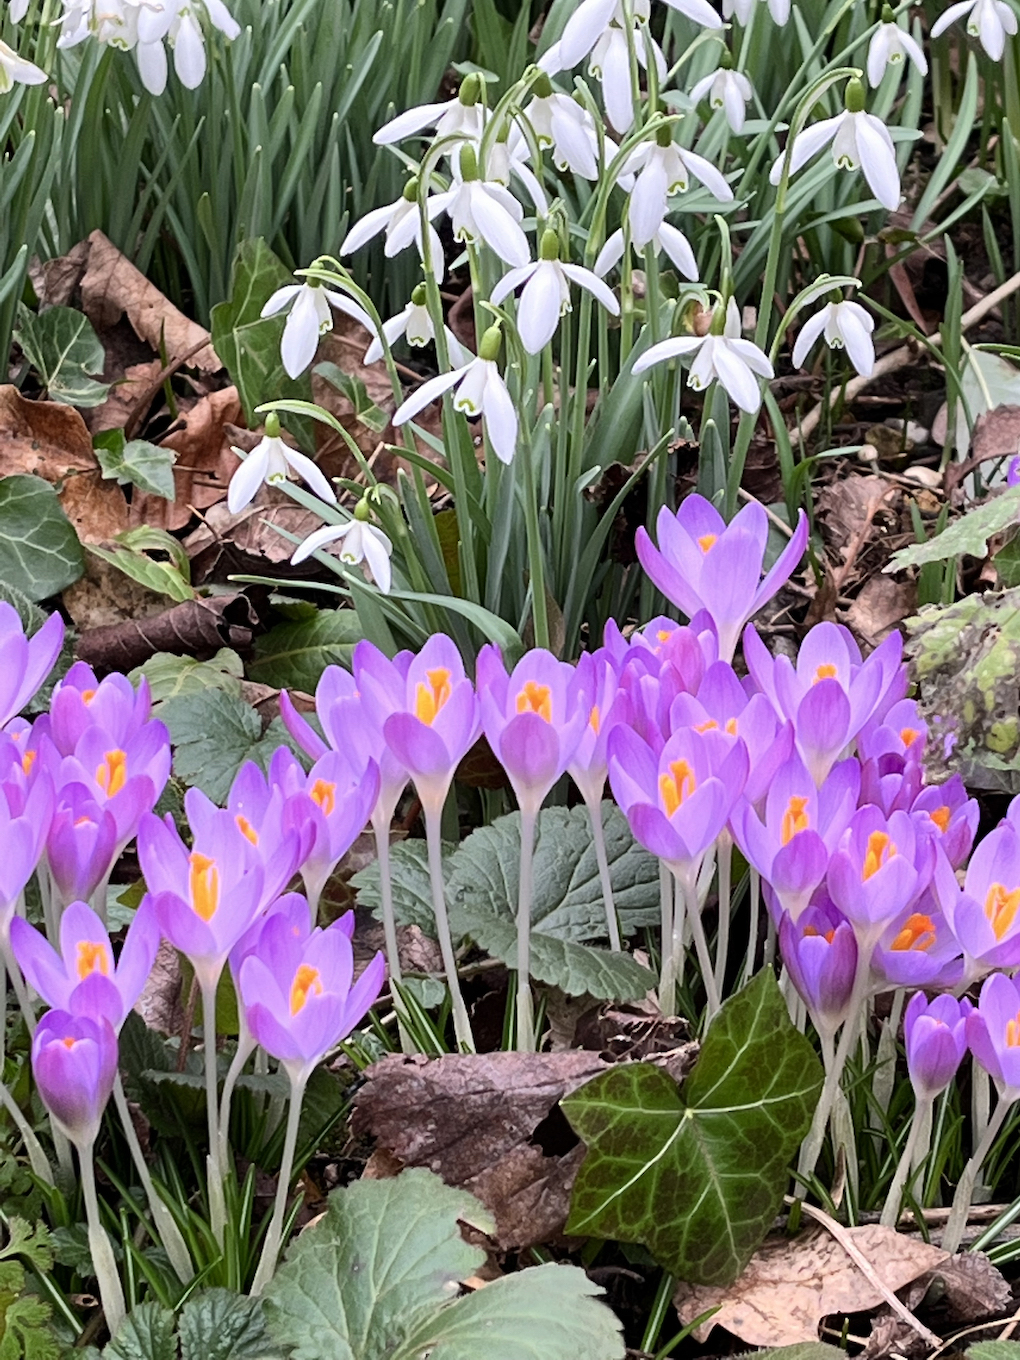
(996, 434)
(792, 1283)
(105, 595)
(881, 604)
(194, 628)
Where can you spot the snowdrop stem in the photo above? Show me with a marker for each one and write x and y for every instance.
(169, 1233)
(110, 1290)
(599, 837)
(433, 840)
(965, 1188)
(919, 1136)
(536, 555)
(525, 1012)
(271, 1247)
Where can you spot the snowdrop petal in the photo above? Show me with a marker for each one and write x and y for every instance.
(498, 229)
(913, 50)
(667, 349)
(699, 10)
(247, 479)
(350, 308)
(510, 281)
(280, 299)
(678, 248)
(736, 377)
(950, 16)
(366, 227)
(991, 30)
(809, 333)
(189, 54)
(392, 329)
(583, 29)
(806, 145)
(702, 89)
(878, 54)
(616, 90)
(733, 103)
(878, 163)
(647, 205)
(586, 278)
(413, 120)
(749, 353)
(300, 334)
(538, 312)
(152, 66)
(611, 253)
(308, 472)
(856, 338)
(575, 145)
(500, 418)
(329, 533)
(377, 548)
(435, 387)
(710, 177)
(221, 18)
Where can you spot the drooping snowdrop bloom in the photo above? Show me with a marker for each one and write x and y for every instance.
(308, 320)
(414, 325)
(546, 294)
(989, 21)
(892, 46)
(114, 24)
(483, 212)
(668, 240)
(779, 9)
(563, 124)
(271, 460)
(726, 89)
(462, 118)
(860, 141)
(362, 542)
(178, 22)
(480, 391)
(721, 356)
(845, 325)
(589, 26)
(15, 70)
(401, 221)
(661, 169)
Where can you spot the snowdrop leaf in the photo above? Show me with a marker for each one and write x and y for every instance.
(39, 551)
(293, 655)
(697, 1173)
(62, 347)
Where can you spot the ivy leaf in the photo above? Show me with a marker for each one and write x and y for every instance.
(551, 1312)
(969, 534)
(385, 1257)
(214, 734)
(147, 1333)
(146, 465)
(170, 675)
(994, 1350)
(249, 344)
(354, 389)
(62, 347)
(218, 1324)
(39, 551)
(697, 1173)
(294, 655)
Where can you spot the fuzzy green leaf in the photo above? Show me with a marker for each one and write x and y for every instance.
(409, 877)
(698, 1173)
(170, 675)
(294, 655)
(39, 551)
(967, 535)
(218, 1324)
(214, 734)
(147, 1333)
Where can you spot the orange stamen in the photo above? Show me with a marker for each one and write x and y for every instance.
(111, 776)
(827, 936)
(87, 695)
(324, 793)
(941, 817)
(795, 819)
(595, 719)
(27, 761)
(707, 541)
(69, 1042)
(306, 982)
(879, 852)
(731, 726)
(430, 698)
(205, 885)
(710, 725)
(826, 671)
(1013, 1032)
(679, 784)
(917, 933)
(908, 735)
(93, 957)
(535, 698)
(1001, 908)
(246, 829)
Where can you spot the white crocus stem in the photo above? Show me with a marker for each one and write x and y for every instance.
(432, 807)
(362, 542)
(271, 460)
(918, 1138)
(308, 320)
(525, 888)
(111, 1293)
(859, 140)
(892, 46)
(662, 168)
(845, 325)
(15, 70)
(726, 358)
(667, 240)
(957, 1222)
(728, 90)
(546, 294)
(480, 391)
(271, 1246)
(988, 20)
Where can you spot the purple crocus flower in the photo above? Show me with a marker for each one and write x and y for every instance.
(878, 870)
(333, 802)
(901, 731)
(24, 822)
(298, 995)
(935, 1036)
(918, 950)
(687, 648)
(802, 824)
(533, 718)
(84, 977)
(257, 808)
(830, 694)
(74, 1059)
(820, 953)
(81, 700)
(722, 703)
(678, 800)
(984, 914)
(704, 563)
(993, 1033)
(24, 662)
(125, 779)
(205, 898)
(81, 847)
(650, 698)
(945, 812)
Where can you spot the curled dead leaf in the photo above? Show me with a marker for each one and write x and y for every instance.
(195, 628)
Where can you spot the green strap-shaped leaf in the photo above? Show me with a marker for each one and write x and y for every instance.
(697, 1174)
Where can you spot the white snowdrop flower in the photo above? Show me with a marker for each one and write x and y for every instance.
(859, 140)
(308, 320)
(401, 221)
(845, 325)
(362, 542)
(546, 294)
(989, 21)
(561, 123)
(17, 9)
(15, 70)
(892, 46)
(590, 22)
(462, 118)
(113, 23)
(271, 460)
(779, 9)
(415, 325)
(668, 240)
(508, 159)
(719, 357)
(726, 89)
(610, 65)
(661, 169)
(179, 23)
(485, 213)
(480, 391)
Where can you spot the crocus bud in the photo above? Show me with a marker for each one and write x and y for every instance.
(820, 954)
(74, 1060)
(936, 1041)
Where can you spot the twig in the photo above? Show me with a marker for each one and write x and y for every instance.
(142, 404)
(868, 1271)
(950, 1342)
(780, 524)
